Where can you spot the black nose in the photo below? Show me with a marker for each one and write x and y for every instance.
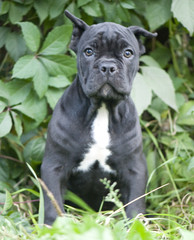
(108, 68)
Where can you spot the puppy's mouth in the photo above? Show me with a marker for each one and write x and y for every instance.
(106, 89)
(107, 92)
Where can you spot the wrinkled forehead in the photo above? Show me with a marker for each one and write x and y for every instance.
(109, 35)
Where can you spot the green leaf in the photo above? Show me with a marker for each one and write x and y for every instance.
(141, 94)
(72, 8)
(56, 41)
(15, 45)
(180, 99)
(34, 150)
(18, 90)
(186, 114)
(184, 12)
(128, 4)
(30, 67)
(109, 9)
(161, 83)
(25, 67)
(121, 13)
(191, 164)
(59, 65)
(53, 96)
(2, 105)
(70, 196)
(56, 7)
(40, 79)
(93, 9)
(186, 235)
(17, 11)
(158, 105)
(154, 113)
(31, 35)
(162, 55)
(5, 123)
(41, 203)
(8, 201)
(42, 9)
(178, 83)
(4, 7)
(157, 13)
(139, 232)
(149, 61)
(3, 90)
(4, 172)
(33, 107)
(183, 142)
(4, 33)
(81, 3)
(59, 81)
(17, 123)
(30, 124)
(27, 189)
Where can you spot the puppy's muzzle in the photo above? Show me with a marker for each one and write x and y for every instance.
(109, 82)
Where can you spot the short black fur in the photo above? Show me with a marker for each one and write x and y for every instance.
(104, 77)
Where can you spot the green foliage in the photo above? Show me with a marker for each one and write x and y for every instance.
(8, 202)
(184, 13)
(36, 67)
(187, 235)
(157, 13)
(68, 228)
(138, 231)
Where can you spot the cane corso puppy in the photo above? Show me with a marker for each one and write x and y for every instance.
(94, 132)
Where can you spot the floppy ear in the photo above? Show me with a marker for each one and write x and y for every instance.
(138, 31)
(78, 29)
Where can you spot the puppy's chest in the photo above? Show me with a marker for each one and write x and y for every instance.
(97, 151)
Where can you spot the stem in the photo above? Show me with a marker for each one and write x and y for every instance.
(3, 62)
(175, 63)
(11, 158)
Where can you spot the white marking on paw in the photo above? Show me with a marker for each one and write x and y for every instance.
(101, 138)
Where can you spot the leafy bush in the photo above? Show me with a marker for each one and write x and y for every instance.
(36, 66)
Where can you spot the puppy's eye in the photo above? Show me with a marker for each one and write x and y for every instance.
(89, 52)
(128, 53)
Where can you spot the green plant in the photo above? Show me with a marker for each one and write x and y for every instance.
(35, 68)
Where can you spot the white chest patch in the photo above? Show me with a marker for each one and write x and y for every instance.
(101, 140)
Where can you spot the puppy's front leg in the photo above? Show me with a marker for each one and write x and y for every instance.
(134, 185)
(54, 178)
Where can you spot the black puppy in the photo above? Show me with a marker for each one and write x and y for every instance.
(94, 131)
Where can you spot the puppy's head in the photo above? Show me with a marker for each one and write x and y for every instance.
(107, 57)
